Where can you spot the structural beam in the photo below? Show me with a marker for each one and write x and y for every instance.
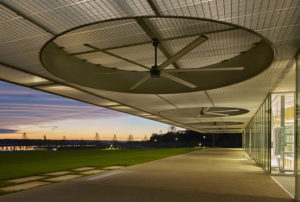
(151, 33)
(153, 7)
(182, 52)
(167, 101)
(209, 98)
(45, 84)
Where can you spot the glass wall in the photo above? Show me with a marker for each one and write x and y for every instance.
(269, 136)
(297, 153)
(257, 135)
(272, 137)
(283, 133)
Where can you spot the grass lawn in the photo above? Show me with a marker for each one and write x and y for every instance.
(20, 164)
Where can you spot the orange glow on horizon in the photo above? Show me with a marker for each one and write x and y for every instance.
(59, 136)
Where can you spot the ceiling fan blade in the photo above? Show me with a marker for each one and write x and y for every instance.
(218, 114)
(206, 109)
(203, 111)
(143, 80)
(111, 72)
(200, 117)
(207, 69)
(115, 72)
(233, 110)
(201, 39)
(178, 80)
(116, 56)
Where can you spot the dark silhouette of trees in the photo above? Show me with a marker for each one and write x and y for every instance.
(172, 129)
(190, 138)
(130, 138)
(115, 141)
(25, 141)
(63, 142)
(97, 139)
(45, 141)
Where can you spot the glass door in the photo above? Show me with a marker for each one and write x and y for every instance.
(282, 147)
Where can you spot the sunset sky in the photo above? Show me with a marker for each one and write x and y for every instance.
(37, 113)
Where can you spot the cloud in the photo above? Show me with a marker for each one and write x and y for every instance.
(3, 130)
(24, 106)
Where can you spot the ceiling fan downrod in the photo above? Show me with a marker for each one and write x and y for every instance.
(154, 71)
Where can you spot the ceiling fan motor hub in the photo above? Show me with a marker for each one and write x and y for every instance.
(155, 73)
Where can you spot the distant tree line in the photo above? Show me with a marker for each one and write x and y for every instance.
(189, 138)
(172, 138)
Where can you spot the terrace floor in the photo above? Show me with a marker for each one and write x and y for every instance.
(204, 175)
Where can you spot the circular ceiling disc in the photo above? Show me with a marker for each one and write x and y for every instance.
(193, 55)
(216, 123)
(203, 112)
(221, 129)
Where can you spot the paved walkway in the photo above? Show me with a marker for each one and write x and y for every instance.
(209, 175)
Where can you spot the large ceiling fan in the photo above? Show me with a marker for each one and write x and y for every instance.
(158, 71)
(219, 113)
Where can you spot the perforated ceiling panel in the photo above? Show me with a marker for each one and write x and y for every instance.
(59, 16)
(103, 35)
(27, 25)
(169, 28)
(288, 82)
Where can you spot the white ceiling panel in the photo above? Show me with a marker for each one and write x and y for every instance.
(18, 77)
(147, 103)
(288, 84)
(188, 100)
(77, 94)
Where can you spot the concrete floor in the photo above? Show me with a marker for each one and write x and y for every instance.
(287, 182)
(209, 175)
